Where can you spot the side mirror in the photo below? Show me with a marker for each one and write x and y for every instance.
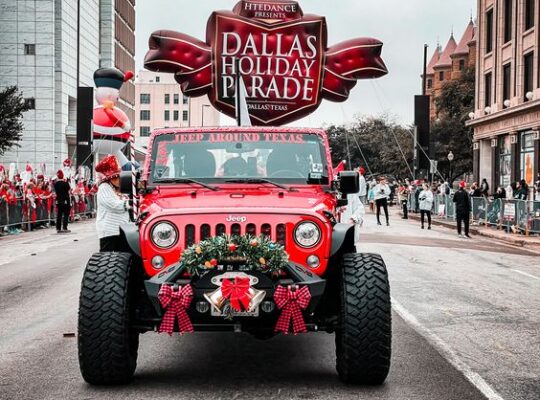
(126, 182)
(348, 182)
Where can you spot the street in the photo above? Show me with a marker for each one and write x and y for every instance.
(466, 325)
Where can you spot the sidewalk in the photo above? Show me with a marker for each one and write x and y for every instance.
(531, 242)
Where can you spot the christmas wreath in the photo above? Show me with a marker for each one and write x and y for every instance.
(252, 253)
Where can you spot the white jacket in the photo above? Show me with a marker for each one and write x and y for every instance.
(382, 191)
(426, 200)
(112, 211)
(363, 186)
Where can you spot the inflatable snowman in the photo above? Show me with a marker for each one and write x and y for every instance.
(112, 128)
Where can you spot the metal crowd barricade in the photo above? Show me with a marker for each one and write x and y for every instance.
(21, 213)
(478, 209)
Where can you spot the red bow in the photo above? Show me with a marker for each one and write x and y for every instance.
(175, 303)
(237, 292)
(291, 303)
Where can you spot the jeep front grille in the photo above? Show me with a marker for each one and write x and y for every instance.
(193, 235)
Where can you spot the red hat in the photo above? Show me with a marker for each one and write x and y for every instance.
(462, 184)
(109, 168)
(362, 170)
(60, 174)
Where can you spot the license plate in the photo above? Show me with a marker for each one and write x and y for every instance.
(234, 313)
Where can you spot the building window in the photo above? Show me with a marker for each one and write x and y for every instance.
(185, 116)
(441, 76)
(175, 115)
(158, 79)
(30, 49)
(145, 115)
(507, 76)
(487, 82)
(167, 115)
(508, 5)
(185, 99)
(167, 98)
(461, 65)
(489, 31)
(505, 161)
(144, 131)
(527, 157)
(528, 76)
(429, 84)
(176, 98)
(30, 103)
(145, 98)
(529, 14)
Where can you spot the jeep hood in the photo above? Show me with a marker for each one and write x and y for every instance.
(230, 200)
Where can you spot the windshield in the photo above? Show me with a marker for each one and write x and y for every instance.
(223, 156)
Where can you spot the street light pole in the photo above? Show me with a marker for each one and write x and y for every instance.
(450, 159)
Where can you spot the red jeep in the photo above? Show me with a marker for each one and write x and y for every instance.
(238, 231)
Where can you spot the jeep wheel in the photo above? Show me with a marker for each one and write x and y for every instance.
(363, 339)
(107, 346)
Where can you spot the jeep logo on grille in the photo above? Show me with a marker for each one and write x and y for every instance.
(234, 218)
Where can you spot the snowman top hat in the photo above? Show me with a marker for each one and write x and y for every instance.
(111, 77)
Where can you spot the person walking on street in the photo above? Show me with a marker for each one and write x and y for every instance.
(426, 204)
(382, 192)
(112, 207)
(63, 202)
(463, 209)
(403, 195)
(362, 193)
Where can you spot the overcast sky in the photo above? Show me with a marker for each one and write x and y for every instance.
(402, 25)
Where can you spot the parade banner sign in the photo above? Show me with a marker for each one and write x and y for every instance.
(280, 53)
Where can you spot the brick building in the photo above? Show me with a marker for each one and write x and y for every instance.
(448, 64)
(506, 120)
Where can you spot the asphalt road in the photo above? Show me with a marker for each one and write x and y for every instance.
(465, 322)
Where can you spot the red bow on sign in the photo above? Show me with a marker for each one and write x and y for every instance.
(291, 303)
(175, 303)
(237, 292)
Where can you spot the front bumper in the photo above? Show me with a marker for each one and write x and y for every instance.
(295, 275)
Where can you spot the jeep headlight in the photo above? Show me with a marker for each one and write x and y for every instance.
(307, 234)
(164, 235)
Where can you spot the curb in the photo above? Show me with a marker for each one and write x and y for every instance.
(480, 232)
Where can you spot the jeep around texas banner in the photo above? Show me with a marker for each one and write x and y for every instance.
(281, 54)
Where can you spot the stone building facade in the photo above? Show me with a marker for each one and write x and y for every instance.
(448, 64)
(506, 120)
(161, 104)
(39, 50)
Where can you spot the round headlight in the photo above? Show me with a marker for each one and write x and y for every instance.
(307, 234)
(164, 235)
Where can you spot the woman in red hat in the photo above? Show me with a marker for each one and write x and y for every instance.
(112, 206)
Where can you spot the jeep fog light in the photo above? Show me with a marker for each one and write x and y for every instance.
(164, 235)
(313, 261)
(307, 234)
(158, 262)
(202, 307)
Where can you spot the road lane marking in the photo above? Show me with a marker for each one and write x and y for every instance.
(446, 352)
(525, 274)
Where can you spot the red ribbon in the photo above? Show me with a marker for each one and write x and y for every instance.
(291, 303)
(175, 303)
(237, 292)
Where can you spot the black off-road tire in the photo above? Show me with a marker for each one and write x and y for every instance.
(364, 337)
(107, 346)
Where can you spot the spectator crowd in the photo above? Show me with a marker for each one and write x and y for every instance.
(28, 199)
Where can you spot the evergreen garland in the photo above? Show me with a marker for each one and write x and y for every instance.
(256, 253)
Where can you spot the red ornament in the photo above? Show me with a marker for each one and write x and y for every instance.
(232, 247)
(213, 262)
(291, 303)
(175, 303)
(237, 292)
